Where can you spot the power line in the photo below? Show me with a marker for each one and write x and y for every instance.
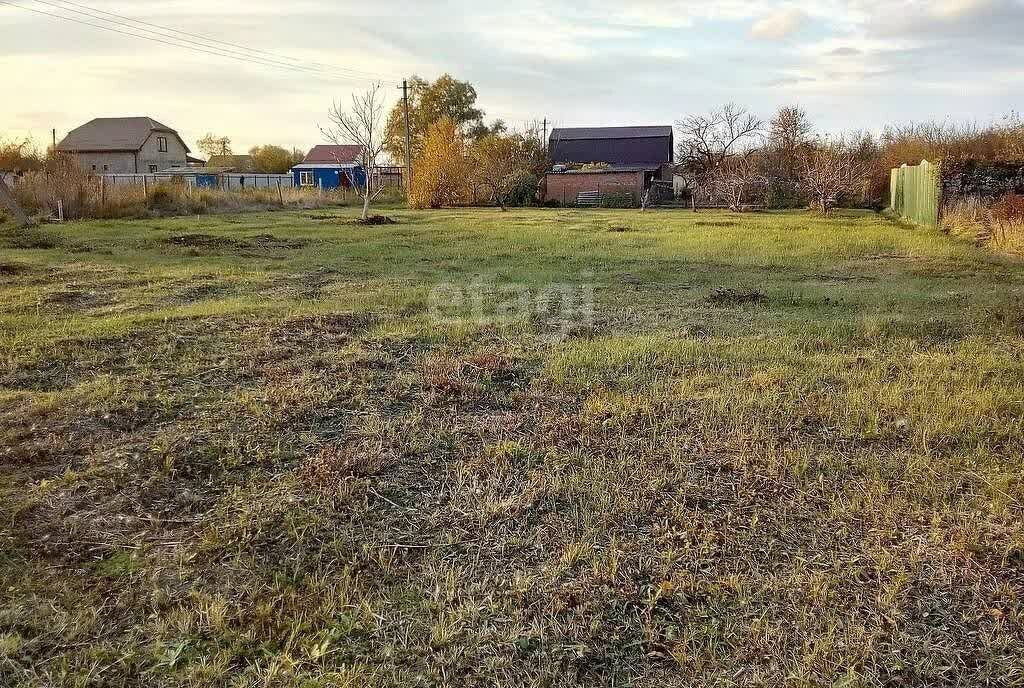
(209, 39)
(209, 50)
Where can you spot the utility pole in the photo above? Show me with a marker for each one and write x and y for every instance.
(545, 133)
(408, 145)
(54, 139)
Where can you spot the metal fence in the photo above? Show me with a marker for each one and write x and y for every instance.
(915, 193)
(229, 181)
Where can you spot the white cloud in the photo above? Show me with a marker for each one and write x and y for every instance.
(779, 25)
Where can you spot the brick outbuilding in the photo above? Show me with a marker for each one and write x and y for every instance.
(607, 160)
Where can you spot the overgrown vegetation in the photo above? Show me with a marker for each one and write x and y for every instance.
(81, 195)
(241, 451)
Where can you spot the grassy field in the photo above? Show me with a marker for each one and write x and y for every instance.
(285, 450)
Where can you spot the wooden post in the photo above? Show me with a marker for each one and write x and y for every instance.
(103, 191)
(60, 210)
(20, 218)
(145, 186)
(280, 192)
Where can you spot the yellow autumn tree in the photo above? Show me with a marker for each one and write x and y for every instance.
(441, 173)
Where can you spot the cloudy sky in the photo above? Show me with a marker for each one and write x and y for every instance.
(856, 64)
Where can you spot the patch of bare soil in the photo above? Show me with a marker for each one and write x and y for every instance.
(11, 269)
(201, 241)
(257, 242)
(726, 296)
(79, 299)
(375, 220)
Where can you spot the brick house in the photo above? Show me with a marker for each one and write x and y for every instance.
(607, 160)
(126, 145)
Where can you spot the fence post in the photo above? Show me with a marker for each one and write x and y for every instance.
(103, 191)
(280, 192)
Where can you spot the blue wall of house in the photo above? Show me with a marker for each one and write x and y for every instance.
(331, 178)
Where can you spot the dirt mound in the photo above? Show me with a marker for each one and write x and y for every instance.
(725, 296)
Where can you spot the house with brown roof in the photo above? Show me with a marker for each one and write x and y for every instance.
(126, 145)
(331, 167)
(592, 162)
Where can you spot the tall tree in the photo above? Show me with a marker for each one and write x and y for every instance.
(789, 136)
(429, 102)
(707, 141)
(442, 172)
(272, 159)
(362, 124)
(214, 145)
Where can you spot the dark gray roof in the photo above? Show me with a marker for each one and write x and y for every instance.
(594, 133)
(114, 134)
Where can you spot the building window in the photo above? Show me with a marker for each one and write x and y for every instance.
(305, 179)
(152, 169)
(161, 142)
(106, 167)
(93, 168)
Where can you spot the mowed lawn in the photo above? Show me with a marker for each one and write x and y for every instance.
(285, 450)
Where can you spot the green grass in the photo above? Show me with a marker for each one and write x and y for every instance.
(248, 450)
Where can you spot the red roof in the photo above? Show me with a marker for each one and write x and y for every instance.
(343, 155)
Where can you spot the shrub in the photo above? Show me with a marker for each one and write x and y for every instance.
(617, 199)
(162, 198)
(521, 188)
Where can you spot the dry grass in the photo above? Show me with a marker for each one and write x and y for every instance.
(787, 451)
(999, 224)
(83, 196)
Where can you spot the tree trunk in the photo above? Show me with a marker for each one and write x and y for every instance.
(366, 199)
(20, 218)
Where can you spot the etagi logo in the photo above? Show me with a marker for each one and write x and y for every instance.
(558, 308)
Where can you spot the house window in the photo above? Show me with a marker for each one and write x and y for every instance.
(305, 179)
(106, 167)
(93, 168)
(161, 142)
(152, 169)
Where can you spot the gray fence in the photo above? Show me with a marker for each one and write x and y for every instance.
(229, 181)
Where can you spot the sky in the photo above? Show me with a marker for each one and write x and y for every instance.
(852, 65)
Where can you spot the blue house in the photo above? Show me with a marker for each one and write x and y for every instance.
(331, 167)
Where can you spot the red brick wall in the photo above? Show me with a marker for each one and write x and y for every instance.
(564, 187)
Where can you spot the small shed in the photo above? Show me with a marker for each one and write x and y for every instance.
(331, 167)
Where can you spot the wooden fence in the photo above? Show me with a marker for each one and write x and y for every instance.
(915, 193)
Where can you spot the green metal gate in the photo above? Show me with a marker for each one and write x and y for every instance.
(914, 192)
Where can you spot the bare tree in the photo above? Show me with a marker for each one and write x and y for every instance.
(736, 177)
(832, 169)
(361, 125)
(707, 141)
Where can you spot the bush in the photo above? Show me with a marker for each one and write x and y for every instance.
(162, 198)
(621, 199)
(521, 188)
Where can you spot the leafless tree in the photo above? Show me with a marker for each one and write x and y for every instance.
(832, 169)
(734, 178)
(705, 142)
(361, 125)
